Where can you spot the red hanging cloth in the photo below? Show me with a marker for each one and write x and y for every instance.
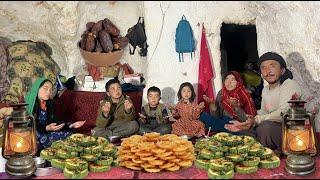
(206, 74)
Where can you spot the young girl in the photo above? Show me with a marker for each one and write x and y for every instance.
(42, 108)
(187, 113)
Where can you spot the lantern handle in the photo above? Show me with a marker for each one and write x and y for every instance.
(34, 143)
(285, 117)
(312, 117)
(4, 142)
(309, 114)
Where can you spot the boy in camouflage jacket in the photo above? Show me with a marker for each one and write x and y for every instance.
(154, 116)
(116, 113)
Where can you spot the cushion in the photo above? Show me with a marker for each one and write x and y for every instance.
(28, 61)
(4, 82)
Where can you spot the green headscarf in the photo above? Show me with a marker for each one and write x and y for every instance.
(32, 94)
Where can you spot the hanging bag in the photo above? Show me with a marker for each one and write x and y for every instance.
(184, 38)
(137, 37)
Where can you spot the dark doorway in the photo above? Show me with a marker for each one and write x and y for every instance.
(239, 43)
(239, 51)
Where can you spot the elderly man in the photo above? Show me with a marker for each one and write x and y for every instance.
(275, 97)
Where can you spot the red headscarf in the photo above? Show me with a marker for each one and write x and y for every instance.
(241, 94)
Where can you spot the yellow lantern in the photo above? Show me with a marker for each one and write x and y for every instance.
(299, 139)
(19, 142)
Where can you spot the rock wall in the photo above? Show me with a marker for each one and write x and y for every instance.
(289, 28)
(60, 25)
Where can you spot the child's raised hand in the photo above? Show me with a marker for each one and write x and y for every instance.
(54, 127)
(170, 118)
(106, 109)
(201, 105)
(127, 105)
(77, 124)
(142, 118)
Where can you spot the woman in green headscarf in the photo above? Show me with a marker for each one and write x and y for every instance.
(40, 105)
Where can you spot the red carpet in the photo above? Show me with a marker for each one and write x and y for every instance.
(114, 173)
(192, 173)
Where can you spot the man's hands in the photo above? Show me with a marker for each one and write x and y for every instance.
(54, 127)
(236, 126)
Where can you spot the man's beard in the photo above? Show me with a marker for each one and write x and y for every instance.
(275, 81)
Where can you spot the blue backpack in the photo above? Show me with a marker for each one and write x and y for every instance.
(184, 38)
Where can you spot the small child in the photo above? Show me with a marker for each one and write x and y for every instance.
(40, 105)
(116, 115)
(154, 115)
(187, 113)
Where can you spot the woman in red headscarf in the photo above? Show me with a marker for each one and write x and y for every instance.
(233, 106)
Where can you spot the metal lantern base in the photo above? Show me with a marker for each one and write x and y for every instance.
(298, 164)
(21, 166)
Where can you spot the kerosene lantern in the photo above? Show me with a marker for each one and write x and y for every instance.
(19, 142)
(299, 139)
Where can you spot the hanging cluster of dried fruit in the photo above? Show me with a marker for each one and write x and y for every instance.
(102, 36)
